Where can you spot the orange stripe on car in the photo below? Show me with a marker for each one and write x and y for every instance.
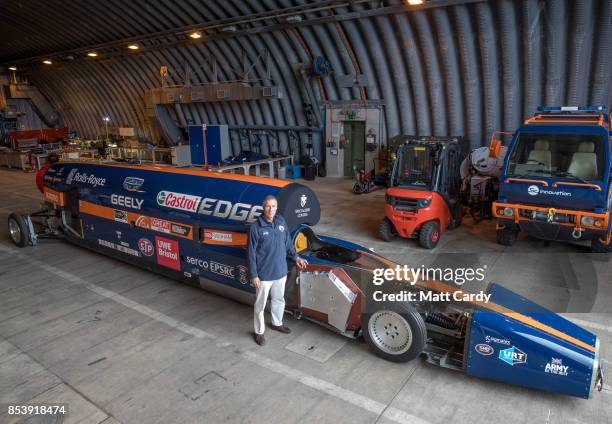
(196, 172)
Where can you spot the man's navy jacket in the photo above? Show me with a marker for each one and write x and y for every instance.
(268, 248)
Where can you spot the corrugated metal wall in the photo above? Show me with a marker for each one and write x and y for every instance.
(461, 70)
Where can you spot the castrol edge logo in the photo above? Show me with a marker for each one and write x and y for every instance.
(222, 209)
(184, 202)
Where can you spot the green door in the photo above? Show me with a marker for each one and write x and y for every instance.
(354, 147)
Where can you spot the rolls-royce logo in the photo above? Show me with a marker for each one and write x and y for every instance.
(303, 200)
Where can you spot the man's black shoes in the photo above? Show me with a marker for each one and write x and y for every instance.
(260, 339)
(281, 328)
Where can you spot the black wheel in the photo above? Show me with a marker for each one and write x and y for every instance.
(457, 216)
(386, 231)
(506, 236)
(598, 247)
(358, 188)
(396, 333)
(429, 235)
(18, 230)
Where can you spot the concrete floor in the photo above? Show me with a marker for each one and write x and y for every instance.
(119, 344)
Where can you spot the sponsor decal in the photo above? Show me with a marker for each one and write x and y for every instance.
(187, 274)
(534, 190)
(513, 356)
(124, 243)
(302, 211)
(180, 201)
(143, 222)
(118, 247)
(222, 269)
(160, 225)
(70, 176)
(224, 237)
(179, 229)
(490, 339)
(243, 274)
(146, 247)
(484, 349)
(224, 209)
(133, 184)
(168, 253)
(52, 197)
(555, 366)
(126, 201)
(281, 228)
(197, 262)
(121, 216)
(85, 178)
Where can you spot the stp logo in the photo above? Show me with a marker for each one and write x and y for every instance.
(533, 190)
(484, 349)
(146, 247)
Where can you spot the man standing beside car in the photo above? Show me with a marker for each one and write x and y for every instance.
(269, 245)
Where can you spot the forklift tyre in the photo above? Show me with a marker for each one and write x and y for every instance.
(18, 230)
(386, 230)
(506, 236)
(429, 235)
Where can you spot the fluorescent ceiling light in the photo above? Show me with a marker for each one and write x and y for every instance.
(415, 2)
(133, 47)
(195, 35)
(92, 54)
(12, 68)
(47, 62)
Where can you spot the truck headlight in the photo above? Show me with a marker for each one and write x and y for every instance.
(587, 220)
(423, 203)
(508, 211)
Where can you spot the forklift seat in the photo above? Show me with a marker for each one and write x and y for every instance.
(584, 162)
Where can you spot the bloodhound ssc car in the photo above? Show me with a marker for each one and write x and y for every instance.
(191, 225)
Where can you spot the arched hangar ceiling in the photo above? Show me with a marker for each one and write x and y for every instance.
(446, 68)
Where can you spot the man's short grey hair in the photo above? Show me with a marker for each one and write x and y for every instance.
(268, 197)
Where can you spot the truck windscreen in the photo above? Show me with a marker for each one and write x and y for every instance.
(415, 167)
(572, 156)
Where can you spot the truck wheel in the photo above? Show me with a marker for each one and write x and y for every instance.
(358, 188)
(598, 247)
(429, 235)
(506, 236)
(386, 230)
(396, 333)
(18, 230)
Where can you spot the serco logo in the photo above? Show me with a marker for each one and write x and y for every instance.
(181, 201)
(303, 200)
(533, 190)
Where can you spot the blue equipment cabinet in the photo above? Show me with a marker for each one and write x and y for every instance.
(217, 144)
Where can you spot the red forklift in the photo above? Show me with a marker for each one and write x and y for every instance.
(423, 197)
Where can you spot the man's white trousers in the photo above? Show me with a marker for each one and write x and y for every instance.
(276, 290)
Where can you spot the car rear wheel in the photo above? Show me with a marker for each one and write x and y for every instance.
(396, 333)
(18, 230)
(429, 235)
(386, 230)
(506, 236)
